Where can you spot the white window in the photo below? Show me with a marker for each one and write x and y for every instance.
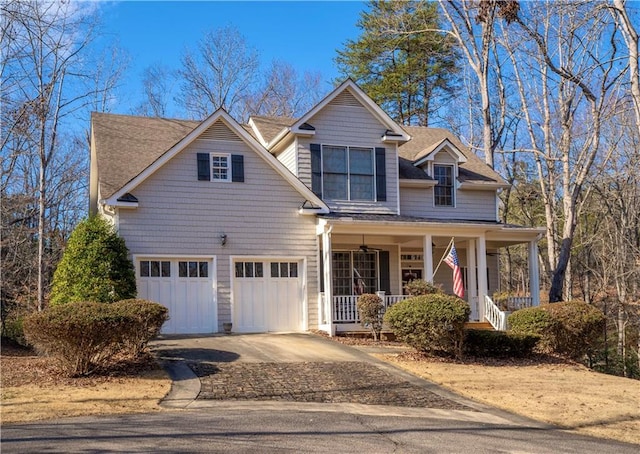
(443, 191)
(348, 173)
(220, 167)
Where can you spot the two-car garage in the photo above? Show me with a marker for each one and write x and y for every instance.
(266, 294)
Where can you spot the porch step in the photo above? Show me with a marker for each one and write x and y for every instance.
(478, 325)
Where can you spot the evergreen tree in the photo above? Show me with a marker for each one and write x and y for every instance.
(95, 266)
(403, 63)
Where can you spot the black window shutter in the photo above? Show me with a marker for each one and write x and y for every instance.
(381, 175)
(237, 168)
(385, 281)
(316, 168)
(204, 171)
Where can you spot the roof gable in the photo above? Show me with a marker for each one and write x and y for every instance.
(219, 126)
(430, 153)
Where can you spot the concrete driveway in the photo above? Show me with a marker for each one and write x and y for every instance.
(304, 371)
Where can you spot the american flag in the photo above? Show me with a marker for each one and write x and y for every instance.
(452, 261)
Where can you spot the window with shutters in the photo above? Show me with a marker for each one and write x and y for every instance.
(355, 272)
(348, 173)
(220, 168)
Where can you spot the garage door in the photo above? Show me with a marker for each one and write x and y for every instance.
(267, 296)
(186, 286)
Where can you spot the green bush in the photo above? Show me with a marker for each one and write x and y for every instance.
(430, 323)
(12, 328)
(149, 317)
(80, 335)
(499, 344)
(536, 321)
(570, 329)
(95, 266)
(580, 328)
(84, 336)
(419, 287)
(370, 308)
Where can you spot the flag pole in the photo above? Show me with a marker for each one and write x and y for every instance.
(446, 251)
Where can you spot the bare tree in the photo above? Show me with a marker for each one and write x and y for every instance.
(45, 83)
(158, 83)
(283, 93)
(218, 73)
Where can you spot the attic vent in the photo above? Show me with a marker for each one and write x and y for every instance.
(219, 131)
(346, 99)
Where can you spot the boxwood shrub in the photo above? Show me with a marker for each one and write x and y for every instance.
(431, 323)
(84, 336)
(570, 328)
(149, 318)
(499, 344)
(370, 308)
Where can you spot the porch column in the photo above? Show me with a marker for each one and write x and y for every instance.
(482, 275)
(327, 272)
(472, 281)
(534, 273)
(427, 257)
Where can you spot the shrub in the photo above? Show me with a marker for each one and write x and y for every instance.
(149, 317)
(419, 287)
(80, 335)
(430, 323)
(580, 327)
(370, 308)
(12, 328)
(499, 344)
(536, 321)
(570, 329)
(84, 336)
(95, 266)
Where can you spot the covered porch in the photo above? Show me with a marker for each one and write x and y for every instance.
(381, 253)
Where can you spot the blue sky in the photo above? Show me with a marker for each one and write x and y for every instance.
(304, 34)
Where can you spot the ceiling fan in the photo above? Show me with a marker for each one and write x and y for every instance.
(364, 248)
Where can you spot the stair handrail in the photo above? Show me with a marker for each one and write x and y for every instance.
(494, 315)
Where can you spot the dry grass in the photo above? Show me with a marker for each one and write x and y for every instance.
(34, 389)
(568, 395)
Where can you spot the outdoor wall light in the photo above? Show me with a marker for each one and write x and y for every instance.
(223, 239)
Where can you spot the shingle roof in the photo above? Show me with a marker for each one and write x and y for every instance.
(424, 140)
(126, 145)
(269, 127)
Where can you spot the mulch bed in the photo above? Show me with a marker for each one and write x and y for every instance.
(21, 366)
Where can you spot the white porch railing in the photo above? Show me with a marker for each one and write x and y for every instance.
(345, 309)
(515, 303)
(494, 315)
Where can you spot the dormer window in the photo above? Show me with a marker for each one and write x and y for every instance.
(443, 191)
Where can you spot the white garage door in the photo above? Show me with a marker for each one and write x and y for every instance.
(186, 286)
(267, 296)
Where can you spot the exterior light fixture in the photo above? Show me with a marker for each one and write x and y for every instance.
(223, 239)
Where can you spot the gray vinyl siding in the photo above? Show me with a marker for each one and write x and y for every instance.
(288, 158)
(178, 214)
(470, 205)
(350, 125)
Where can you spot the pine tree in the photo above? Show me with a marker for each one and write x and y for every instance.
(403, 63)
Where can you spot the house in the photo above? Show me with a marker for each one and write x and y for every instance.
(278, 225)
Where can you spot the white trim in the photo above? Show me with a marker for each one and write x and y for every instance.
(257, 131)
(477, 186)
(223, 116)
(452, 150)
(216, 154)
(454, 195)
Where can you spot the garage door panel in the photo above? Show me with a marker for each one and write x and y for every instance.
(272, 302)
(190, 300)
